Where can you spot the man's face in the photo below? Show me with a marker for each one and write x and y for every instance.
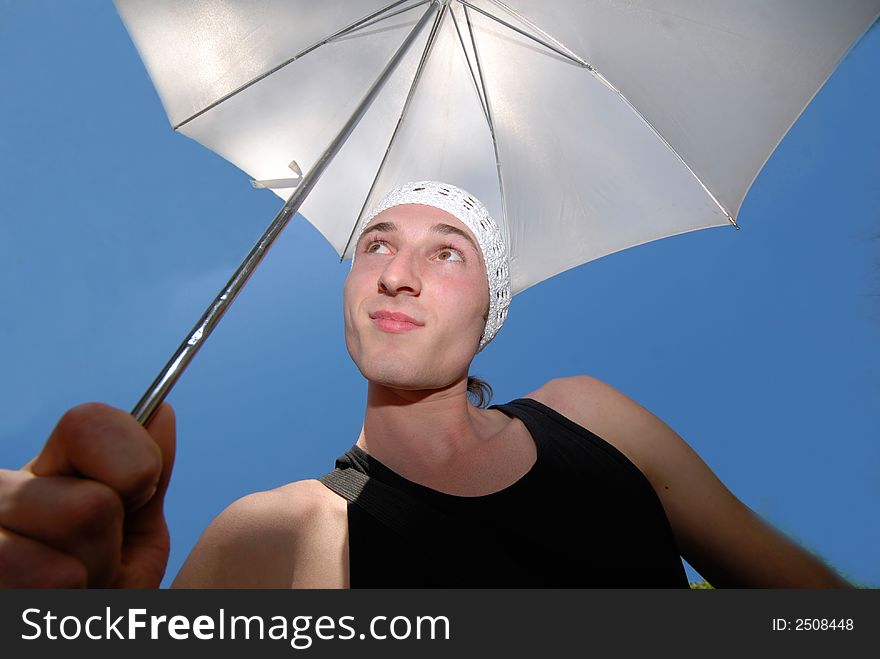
(415, 299)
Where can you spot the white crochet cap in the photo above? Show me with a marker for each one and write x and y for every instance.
(474, 215)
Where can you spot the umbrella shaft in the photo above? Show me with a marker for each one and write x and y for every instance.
(163, 383)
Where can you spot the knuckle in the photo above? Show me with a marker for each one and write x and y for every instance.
(79, 420)
(94, 509)
(26, 565)
(12, 491)
(66, 572)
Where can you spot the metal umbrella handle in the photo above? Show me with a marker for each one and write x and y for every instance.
(175, 367)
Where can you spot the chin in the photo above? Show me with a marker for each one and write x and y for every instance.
(400, 372)
(398, 376)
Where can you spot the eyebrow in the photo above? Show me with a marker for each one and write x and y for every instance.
(444, 229)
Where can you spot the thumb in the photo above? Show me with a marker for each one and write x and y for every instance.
(146, 542)
(162, 428)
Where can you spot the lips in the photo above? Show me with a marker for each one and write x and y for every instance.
(394, 321)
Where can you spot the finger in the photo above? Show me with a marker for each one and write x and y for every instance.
(162, 429)
(146, 546)
(150, 518)
(78, 517)
(26, 563)
(105, 444)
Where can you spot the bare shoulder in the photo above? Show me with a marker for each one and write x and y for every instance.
(572, 392)
(257, 541)
(608, 413)
(277, 512)
(664, 457)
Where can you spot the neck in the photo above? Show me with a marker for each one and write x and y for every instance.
(427, 434)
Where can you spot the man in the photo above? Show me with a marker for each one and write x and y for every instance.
(429, 288)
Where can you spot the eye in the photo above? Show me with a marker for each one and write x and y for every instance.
(450, 254)
(376, 247)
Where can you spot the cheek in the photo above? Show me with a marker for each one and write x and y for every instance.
(351, 294)
(359, 282)
(466, 301)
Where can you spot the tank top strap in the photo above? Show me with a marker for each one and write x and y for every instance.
(546, 424)
(532, 415)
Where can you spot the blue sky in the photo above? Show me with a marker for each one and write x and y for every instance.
(758, 346)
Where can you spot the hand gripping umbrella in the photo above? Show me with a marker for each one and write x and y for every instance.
(585, 127)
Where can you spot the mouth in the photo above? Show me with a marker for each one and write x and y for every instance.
(394, 322)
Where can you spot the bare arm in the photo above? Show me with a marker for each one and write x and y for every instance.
(721, 537)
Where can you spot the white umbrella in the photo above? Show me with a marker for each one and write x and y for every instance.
(585, 127)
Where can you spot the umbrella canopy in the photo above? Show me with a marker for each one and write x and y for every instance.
(585, 127)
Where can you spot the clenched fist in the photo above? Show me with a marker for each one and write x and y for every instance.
(87, 511)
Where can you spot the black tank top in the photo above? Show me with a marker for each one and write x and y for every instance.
(583, 516)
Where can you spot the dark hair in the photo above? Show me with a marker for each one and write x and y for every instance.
(479, 391)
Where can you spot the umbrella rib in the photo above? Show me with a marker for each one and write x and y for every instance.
(482, 78)
(379, 19)
(567, 55)
(467, 59)
(570, 53)
(601, 78)
(347, 29)
(666, 143)
(490, 122)
(418, 74)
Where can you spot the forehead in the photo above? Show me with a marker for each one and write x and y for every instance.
(421, 218)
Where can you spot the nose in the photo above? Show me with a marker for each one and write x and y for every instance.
(401, 275)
